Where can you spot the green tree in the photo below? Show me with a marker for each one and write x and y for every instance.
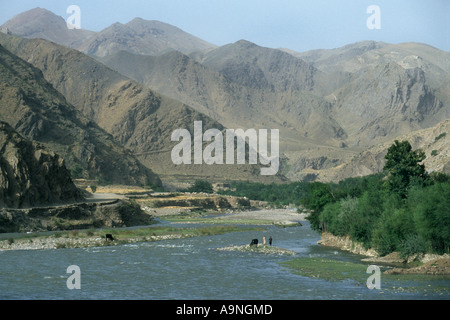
(319, 195)
(430, 207)
(201, 186)
(403, 165)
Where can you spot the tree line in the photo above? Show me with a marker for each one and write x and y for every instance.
(403, 209)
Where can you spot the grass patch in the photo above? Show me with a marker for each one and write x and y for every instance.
(331, 270)
(335, 270)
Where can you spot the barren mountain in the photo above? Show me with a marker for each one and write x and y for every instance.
(137, 117)
(37, 111)
(294, 112)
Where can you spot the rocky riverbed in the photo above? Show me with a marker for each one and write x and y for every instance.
(259, 248)
(46, 243)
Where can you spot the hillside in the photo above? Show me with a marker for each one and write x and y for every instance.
(235, 105)
(37, 111)
(30, 175)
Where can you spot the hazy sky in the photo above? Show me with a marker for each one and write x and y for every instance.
(295, 24)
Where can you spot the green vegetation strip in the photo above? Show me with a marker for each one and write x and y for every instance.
(331, 270)
(335, 270)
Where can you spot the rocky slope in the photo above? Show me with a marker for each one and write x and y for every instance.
(85, 215)
(37, 111)
(30, 175)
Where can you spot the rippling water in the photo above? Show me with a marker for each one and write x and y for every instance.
(193, 269)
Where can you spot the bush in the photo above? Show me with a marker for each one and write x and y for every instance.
(201, 186)
(443, 134)
(392, 228)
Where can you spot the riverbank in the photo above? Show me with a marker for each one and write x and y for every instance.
(429, 263)
(93, 238)
(97, 238)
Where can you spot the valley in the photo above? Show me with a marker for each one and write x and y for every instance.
(122, 106)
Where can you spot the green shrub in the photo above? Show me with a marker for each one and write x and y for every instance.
(443, 134)
(201, 186)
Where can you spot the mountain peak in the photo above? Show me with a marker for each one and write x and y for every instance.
(33, 19)
(245, 44)
(140, 36)
(42, 23)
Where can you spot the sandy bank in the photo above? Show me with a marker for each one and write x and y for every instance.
(277, 216)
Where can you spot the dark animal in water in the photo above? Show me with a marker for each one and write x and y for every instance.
(254, 242)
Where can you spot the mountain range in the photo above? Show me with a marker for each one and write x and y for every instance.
(141, 80)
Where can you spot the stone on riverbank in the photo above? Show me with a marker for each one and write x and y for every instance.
(260, 248)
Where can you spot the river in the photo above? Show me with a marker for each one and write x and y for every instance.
(194, 269)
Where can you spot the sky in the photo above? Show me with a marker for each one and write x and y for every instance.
(294, 24)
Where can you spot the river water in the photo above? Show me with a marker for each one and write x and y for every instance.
(194, 269)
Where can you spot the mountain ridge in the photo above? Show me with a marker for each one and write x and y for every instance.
(138, 35)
